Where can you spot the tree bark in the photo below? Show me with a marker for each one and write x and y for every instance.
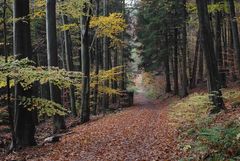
(55, 92)
(69, 63)
(97, 62)
(105, 59)
(175, 62)
(24, 126)
(208, 47)
(194, 69)
(235, 33)
(85, 106)
(167, 68)
(184, 82)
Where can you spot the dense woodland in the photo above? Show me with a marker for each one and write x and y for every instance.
(119, 80)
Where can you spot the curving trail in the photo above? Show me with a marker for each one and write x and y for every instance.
(142, 132)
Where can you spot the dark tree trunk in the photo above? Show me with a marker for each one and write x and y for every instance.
(175, 62)
(200, 63)
(105, 59)
(208, 47)
(97, 60)
(85, 106)
(184, 82)
(234, 26)
(23, 119)
(55, 92)
(194, 69)
(167, 68)
(218, 45)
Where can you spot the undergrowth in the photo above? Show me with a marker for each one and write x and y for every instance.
(208, 137)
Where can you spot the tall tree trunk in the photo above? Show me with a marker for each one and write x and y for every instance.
(184, 82)
(234, 26)
(175, 62)
(166, 66)
(123, 80)
(218, 45)
(10, 111)
(105, 59)
(208, 47)
(55, 92)
(194, 69)
(114, 83)
(69, 63)
(23, 119)
(85, 105)
(97, 61)
(200, 63)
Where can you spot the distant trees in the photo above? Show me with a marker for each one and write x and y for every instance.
(163, 31)
(167, 30)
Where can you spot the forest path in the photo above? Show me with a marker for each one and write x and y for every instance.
(142, 132)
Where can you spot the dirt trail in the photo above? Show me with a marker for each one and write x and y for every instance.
(141, 132)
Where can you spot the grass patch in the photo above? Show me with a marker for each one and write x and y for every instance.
(208, 137)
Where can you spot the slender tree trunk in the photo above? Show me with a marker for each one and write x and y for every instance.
(97, 59)
(105, 59)
(184, 82)
(123, 80)
(114, 83)
(194, 69)
(23, 119)
(234, 26)
(175, 61)
(10, 111)
(167, 68)
(85, 105)
(208, 47)
(200, 64)
(69, 63)
(55, 92)
(218, 45)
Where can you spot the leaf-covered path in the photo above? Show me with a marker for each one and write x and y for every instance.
(141, 132)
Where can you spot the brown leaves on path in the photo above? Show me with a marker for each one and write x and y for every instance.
(142, 132)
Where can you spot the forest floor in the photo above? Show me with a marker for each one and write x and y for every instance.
(141, 132)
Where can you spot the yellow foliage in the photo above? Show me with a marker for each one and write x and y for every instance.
(196, 106)
(109, 26)
(4, 83)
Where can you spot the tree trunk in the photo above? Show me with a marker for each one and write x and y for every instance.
(234, 26)
(69, 63)
(114, 83)
(167, 68)
(194, 69)
(208, 47)
(23, 119)
(97, 61)
(85, 106)
(105, 59)
(218, 45)
(200, 63)
(175, 62)
(55, 92)
(184, 82)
